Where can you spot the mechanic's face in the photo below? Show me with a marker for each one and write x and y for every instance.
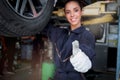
(73, 14)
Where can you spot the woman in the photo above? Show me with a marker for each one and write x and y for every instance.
(74, 45)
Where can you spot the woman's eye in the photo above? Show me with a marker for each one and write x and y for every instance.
(76, 10)
(67, 12)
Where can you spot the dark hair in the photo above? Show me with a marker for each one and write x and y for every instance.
(81, 3)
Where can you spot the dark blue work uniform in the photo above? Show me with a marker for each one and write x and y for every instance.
(62, 39)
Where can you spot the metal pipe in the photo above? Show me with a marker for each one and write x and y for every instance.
(118, 48)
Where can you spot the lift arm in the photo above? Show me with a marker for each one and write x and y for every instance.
(100, 7)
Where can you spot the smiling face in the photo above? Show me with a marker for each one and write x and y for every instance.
(73, 14)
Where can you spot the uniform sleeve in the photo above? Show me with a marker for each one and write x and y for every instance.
(51, 32)
(87, 44)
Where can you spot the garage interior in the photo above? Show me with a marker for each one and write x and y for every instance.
(106, 62)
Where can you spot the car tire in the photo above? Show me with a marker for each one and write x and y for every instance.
(14, 25)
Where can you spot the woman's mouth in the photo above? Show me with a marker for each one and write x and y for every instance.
(73, 20)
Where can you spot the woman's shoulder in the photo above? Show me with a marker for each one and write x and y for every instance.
(88, 34)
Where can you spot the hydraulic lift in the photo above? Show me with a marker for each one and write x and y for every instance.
(101, 9)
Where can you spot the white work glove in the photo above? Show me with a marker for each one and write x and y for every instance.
(79, 59)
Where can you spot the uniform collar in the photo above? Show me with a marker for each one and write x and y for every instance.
(78, 30)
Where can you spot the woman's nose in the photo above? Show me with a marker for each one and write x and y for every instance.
(72, 14)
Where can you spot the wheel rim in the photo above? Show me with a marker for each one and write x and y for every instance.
(27, 8)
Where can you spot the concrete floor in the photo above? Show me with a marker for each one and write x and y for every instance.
(25, 73)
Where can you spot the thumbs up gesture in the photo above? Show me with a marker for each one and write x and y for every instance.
(79, 59)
